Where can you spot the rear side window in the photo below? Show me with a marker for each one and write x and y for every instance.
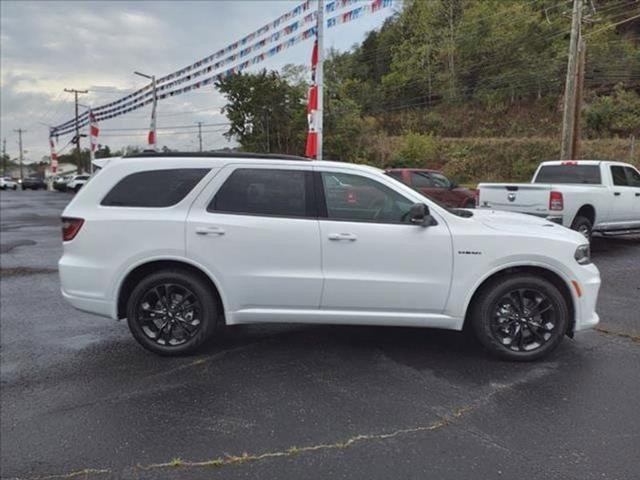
(587, 174)
(270, 192)
(421, 180)
(154, 188)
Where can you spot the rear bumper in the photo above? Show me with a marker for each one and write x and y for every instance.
(90, 305)
(85, 286)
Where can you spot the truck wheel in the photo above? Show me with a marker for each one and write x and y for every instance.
(172, 312)
(520, 317)
(15, 187)
(583, 225)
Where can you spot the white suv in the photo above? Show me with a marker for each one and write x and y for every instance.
(182, 244)
(77, 182)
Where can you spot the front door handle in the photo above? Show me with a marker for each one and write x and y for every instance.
(349, 237)
(617, 194)
(637, 194)
(209, 231)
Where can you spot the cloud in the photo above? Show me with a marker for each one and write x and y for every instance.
(47, 46)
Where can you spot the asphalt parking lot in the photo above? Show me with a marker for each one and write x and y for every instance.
(80, 398)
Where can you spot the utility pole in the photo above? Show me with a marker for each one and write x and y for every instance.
(320, 76)
(200, 135)
(569, 113)
(77, 139)
(20, 132)
(577, 130)
(4, 157)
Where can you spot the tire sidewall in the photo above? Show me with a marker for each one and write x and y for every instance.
(207, 301)
(484, 307)
(582, 221)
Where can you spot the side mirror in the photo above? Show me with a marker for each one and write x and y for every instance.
(419, 215)
(453, 185)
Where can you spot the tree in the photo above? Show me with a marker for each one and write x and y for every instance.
(267, 113)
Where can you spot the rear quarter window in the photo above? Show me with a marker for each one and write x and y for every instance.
(154, 188)
(569, 174)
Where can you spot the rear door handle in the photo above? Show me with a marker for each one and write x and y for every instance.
(336, 237)
(210, 231)
(617, 194)
(637, 194)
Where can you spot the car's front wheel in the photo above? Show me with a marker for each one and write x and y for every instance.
(172, 312)
(520, 317)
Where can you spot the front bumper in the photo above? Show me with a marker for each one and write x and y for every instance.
(589, 283)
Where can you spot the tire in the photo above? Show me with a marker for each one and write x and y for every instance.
(583, 225)
(15, 187)
(77, 188)
(494, 322)
(23, 187)
(172, 285)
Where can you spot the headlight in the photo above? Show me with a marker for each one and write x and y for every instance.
(583, 254)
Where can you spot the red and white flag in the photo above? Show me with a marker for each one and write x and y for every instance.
(311, 149)
(151, 139)
(54, 157)
(94, 131)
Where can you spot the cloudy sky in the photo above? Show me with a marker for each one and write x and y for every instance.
(51, 45)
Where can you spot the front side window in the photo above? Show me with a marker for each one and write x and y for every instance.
(633, 177)
(154, 188)
(361, 199)
(261, 191)
(619, 176)
(421, 180)
(440, 180)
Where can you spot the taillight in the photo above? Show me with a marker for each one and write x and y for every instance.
(70, 228)
(555, 201)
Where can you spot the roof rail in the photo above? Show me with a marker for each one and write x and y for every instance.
(260, 156)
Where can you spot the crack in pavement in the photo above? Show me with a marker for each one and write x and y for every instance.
(615, 333)
(23, 271)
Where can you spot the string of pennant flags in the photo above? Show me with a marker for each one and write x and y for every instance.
(166, 89)
(301, 8)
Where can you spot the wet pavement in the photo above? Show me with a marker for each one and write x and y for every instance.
(80, 399)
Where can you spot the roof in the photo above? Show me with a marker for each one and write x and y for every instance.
(264, 156)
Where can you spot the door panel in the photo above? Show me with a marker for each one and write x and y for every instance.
(260, 260)
(378, 261)
(623, 198)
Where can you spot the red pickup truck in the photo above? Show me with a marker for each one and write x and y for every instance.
(435, 185)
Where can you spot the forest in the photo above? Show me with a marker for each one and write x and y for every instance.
(474, 87)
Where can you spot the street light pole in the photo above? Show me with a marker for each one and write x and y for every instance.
(153, 139)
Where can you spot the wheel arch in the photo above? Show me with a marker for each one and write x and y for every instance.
(546, 273)
(588, 211)
(132, 277)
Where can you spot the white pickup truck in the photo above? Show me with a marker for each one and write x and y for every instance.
(586, 195)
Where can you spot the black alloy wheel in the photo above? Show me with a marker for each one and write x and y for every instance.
(169, 314)
(523, 319)
(172, 312)
(520, 317)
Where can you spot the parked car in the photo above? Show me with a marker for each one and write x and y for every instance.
(184, 244)
(435, 185)
(33, 183)
(6, 183)
(585, 195)
(77, 182)
(60, 182)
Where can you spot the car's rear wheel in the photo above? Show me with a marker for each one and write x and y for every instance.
(520, 317)
(172, 312)
(77, 188)
(583, 225)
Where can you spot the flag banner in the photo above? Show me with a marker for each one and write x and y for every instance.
(151, 140)
(136, 102)
(54, 156)
(94, 131)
